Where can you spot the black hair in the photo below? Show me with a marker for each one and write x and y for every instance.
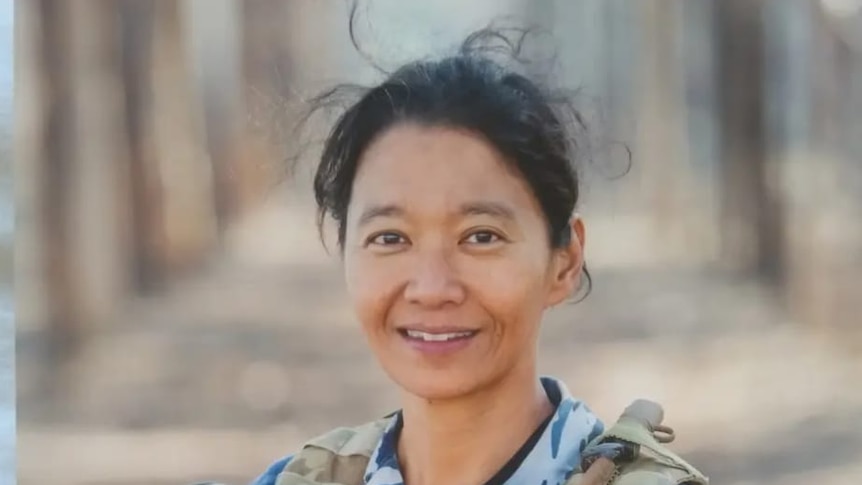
(534, 127)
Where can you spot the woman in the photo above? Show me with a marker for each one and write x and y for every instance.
(453, 188)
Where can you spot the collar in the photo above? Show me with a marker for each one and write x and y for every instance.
(555, 456)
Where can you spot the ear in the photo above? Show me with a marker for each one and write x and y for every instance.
(567, 264)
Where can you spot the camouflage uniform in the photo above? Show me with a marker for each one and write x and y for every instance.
(553, 458)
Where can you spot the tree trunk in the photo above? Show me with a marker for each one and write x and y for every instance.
(136, 24)
(216, 49)
(57, 139)
(751, 209)
(185, 231)
(99, 222)
(666, 175)
(825, 261)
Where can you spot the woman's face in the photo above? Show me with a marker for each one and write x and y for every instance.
(447, 261)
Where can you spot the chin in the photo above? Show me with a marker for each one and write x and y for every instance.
(436, 384)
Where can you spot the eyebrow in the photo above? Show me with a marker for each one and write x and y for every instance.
(487, 208)
(479, 208)
(376, 211)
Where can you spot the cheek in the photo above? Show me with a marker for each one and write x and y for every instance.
(514, 293)
(370, 287)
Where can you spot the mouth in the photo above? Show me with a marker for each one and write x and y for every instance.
(437, 336)
(438, 342)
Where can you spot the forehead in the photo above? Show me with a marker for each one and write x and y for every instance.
(439, 165)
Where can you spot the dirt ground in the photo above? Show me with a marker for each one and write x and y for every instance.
(232, 368)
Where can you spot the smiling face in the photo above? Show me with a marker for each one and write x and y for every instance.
(448, 263)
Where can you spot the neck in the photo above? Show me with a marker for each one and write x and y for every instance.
(468, 439)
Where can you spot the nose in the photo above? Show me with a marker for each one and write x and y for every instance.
(434, 282)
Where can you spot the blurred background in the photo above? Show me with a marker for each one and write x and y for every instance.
(7, 229)
(178, 319)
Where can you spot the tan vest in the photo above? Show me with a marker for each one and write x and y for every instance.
(340, 457)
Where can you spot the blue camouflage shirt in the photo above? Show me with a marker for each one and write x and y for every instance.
(549, 457)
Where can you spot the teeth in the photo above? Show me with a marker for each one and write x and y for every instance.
(436, 337)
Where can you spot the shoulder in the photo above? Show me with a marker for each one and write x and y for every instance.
(638, 444)
(357, 444)
(358, 440)
(270, 476)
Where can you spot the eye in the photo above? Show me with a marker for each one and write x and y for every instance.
(387, 239)
(483, 237)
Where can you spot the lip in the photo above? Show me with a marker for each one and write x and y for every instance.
(441, 347)
(435, 330)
